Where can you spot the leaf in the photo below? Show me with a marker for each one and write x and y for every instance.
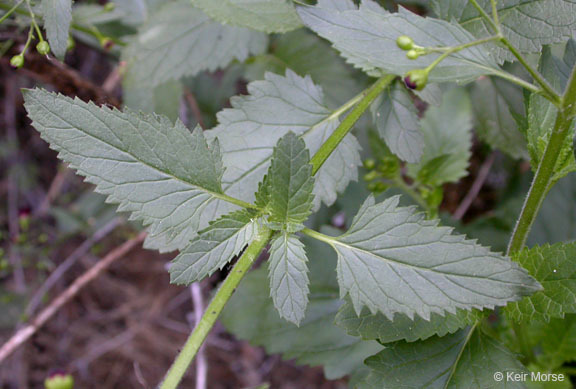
(462, 360)
(214, 247)
(57, 15)
(557, 341)
(393, 260)
(164, 175)
(446, 131)
(180, 40)
(251, 128)
(317, 341)
(163, 99)
(542, 113)
(495, 123)
(306, 53)
(288, 185)
(527, 24)
(369, 326)
(366, 37)
(288, 277)
(555, 221)
(555, 268)
(262, 15)
(396, 119)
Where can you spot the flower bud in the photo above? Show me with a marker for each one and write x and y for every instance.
(369, 164)
(416, 79)
(412, 54)
(17, 61)
(59, 380)
(405, 42)
(43, 48)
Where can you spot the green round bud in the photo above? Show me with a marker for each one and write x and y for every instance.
(416, 79)
(70, 44)
(17, 61)
(371, 176)
(106, 43)
(377, 187)
(412, 54)
(109, 7)
(59, 380)
(43, 48)
(405, 42)
(369, 164)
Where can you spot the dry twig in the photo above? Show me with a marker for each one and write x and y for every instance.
(23, 334)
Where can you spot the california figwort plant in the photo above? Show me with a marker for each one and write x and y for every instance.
(392, 298)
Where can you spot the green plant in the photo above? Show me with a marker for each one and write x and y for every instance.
(415, 300)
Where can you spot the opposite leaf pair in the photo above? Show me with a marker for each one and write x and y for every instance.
(284, 201)
(391, 260)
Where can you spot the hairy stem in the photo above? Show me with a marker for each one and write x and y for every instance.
(550, 93)
(543, 178)
(368, 96)
(180, 365)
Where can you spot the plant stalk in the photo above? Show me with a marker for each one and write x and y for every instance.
(11, 10)
(543, 178)
(180, 365)
(344, 128)
(195, 340)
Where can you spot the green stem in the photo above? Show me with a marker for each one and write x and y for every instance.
(543, 178)
(235, 201)
(33, 18)
(495, 13)
(364, 100)
(458, 48)
(485, 16)
(10, 11)
(93, 31)
(402, 185)
(180, 365)
(548, 90)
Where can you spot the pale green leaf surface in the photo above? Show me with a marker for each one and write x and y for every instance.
(289, 184)
(555, 268)
(527, 24)
(447, 134)
(288, 275)
(392, 260)
(366, 37)
(495, 122)
(460, 360)
(262, 15)
(180, 40)
(214, 247)
(57, 15)
(250, 129)
(306, 53)
(317, 341)
(396, 119)
(166, 176)
(163, 99)
(377, 326)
